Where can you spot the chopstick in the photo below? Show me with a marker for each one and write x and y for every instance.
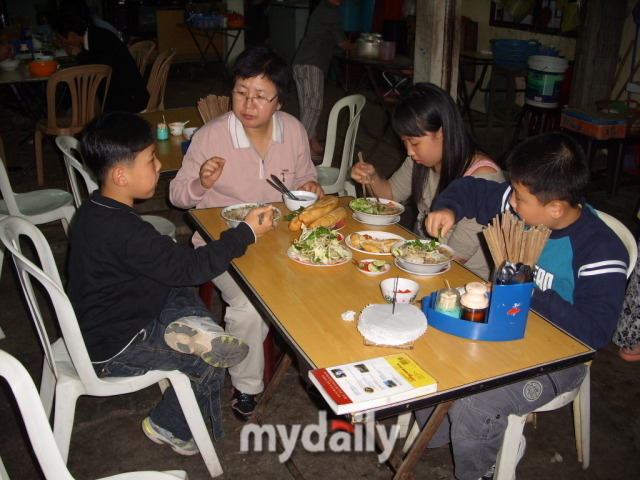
(364, 187)
(395, 291)
(276, 186)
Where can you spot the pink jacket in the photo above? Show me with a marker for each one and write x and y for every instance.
(244, 175)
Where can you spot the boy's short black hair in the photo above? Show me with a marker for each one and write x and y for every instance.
(552, 166)
(114, 138)
(257, 61)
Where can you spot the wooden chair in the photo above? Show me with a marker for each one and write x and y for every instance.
(141, 52)
(158, 80)
(83, 87)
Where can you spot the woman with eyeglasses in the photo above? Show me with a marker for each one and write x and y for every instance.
(228, 162)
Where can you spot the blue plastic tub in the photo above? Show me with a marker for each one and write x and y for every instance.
(512, 53)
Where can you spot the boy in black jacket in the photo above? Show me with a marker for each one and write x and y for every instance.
(130, 286)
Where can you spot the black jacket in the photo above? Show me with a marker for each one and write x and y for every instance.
(121, 270)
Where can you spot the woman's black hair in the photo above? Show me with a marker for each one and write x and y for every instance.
(263, 61)
(114, 138)
(425, 108)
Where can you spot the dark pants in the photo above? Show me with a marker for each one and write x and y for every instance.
(476, 424)
(149, 351)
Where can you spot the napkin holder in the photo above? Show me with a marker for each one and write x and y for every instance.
(506, 319)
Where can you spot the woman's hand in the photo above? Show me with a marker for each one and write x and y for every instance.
(210, 171)
(364, 173)
(313, 187)
(261, 219)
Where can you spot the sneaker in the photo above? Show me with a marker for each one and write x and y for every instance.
(521, 447)
(158, 434)
(242, 404)
(203, 337)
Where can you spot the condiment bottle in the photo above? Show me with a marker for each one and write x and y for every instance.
(474, 302)
(163, 132)
(448, 302)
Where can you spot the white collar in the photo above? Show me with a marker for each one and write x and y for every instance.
(239, 136)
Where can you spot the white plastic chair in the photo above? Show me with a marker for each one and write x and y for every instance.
(332, 179)
(68, 372)
(40, 434)
(38, 206)
(625, 235)
(68, 145)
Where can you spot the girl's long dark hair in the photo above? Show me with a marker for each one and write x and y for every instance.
(425, 108)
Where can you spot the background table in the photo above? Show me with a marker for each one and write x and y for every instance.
(209, 34)
(169, 152)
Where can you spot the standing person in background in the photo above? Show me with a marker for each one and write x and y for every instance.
(311, 64)
(95, 45)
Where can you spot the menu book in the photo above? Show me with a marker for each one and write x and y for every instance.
(372, 383)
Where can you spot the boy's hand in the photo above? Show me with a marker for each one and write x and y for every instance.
(313, 187)
(210, 171)
(438, 223)
(261, 219)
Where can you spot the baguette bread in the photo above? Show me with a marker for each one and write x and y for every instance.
(330, 219)
(318, 209)
(295, 225)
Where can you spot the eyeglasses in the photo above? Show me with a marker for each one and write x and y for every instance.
(257, 100)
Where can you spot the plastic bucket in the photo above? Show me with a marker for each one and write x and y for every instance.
(544, 80)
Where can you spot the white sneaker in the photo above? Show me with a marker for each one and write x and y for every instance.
(160, 435)
(205, 338)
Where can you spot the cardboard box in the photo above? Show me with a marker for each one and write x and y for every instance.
(593, 123)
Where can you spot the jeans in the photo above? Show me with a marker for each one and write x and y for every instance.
(476, 424)
(149, 351)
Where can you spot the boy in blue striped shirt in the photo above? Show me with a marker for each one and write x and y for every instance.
(580, 280)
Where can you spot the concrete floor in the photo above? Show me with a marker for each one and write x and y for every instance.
(107, 439)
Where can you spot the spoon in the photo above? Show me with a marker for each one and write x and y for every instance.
(286, 191)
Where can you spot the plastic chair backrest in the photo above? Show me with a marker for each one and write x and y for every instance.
(158, 80)
(83, 83)
(141, 52)
(11, 229)
(38, 429)
(74, 165)
(626, 237)
(354, 104)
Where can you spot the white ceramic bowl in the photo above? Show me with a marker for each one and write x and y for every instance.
(378, 219)
(306, 199)
(9, 64)
(233, 213)
(188, 132)
(38, 57)
(409, 290)
(176, 128)
(422, 268)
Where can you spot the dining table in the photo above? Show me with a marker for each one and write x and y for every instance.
(306, 303)
(170, 151)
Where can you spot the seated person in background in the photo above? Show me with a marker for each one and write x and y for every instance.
(439, 151)
(91, 44)
(580, 281)
(627, 334)
(228, 162)
(91, 14)
(131, 287)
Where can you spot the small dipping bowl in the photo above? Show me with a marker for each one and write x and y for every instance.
(409, 287)
(176, 128)
(188, 132)
(306, 199)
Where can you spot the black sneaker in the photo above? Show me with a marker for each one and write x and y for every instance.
(242, 404)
